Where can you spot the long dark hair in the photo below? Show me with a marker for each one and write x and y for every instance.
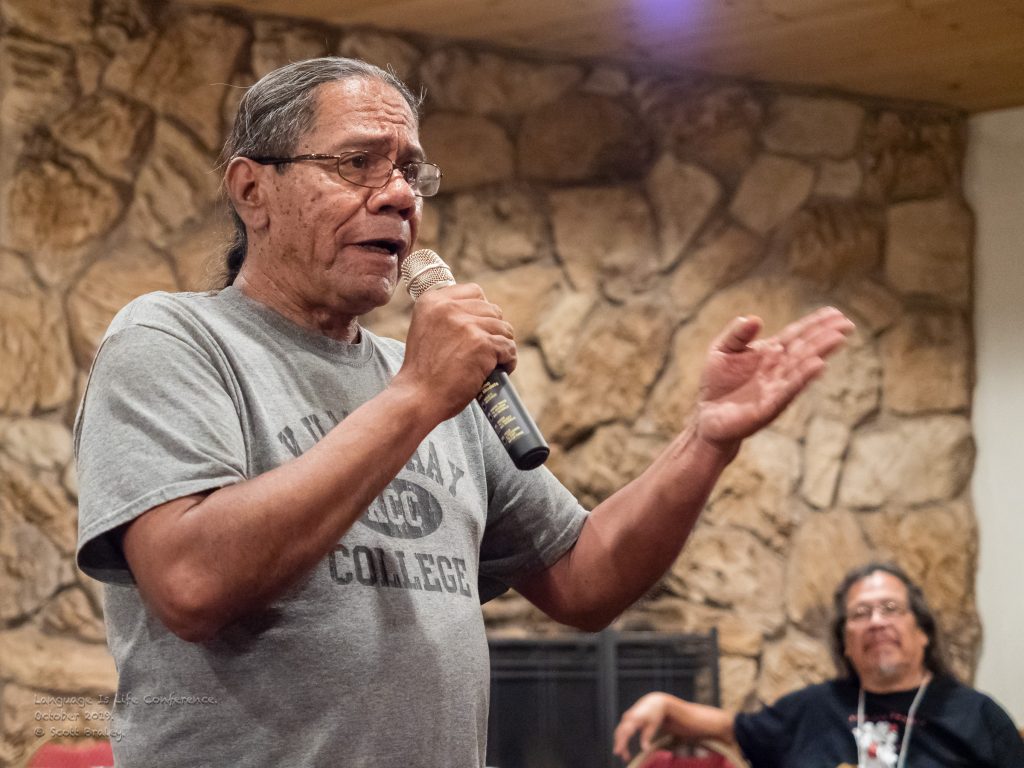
(275, 112)
(934, 659)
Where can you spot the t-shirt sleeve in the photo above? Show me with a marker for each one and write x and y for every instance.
(532, 519)
(764, 736)
(1007, 746)
(157, 422)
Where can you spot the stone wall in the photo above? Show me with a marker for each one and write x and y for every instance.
(618, 217)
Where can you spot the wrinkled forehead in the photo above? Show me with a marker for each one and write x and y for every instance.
(876, 587)
(363, 107)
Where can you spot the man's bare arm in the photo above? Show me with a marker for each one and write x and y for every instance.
(632, 537)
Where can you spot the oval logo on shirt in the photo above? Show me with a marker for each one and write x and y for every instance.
(404, 510)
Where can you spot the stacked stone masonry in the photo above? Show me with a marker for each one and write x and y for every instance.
(620, 218)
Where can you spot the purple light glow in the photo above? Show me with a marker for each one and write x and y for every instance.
(661, 16)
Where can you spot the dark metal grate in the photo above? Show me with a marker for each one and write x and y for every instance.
(555, 701)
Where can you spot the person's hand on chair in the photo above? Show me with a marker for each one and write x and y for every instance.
(687, 721)
(646, 716)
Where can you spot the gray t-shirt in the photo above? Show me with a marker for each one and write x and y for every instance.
(379, 657)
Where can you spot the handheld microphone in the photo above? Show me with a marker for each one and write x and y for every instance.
(424, 270)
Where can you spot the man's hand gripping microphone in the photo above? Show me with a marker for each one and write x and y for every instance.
(424, 270)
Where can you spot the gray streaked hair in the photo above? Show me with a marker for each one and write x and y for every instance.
(277, 110)
(934, 656)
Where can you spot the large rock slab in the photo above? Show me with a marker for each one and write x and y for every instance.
(90, 61)
(15, 276)
(121, 23)
(65, 21)
(486, 83)
(107, 286)
(926, 363)
(552, 145)
(277, 42)
(824, 449)
(38, 443)
(182, 74)
(175, 188)
(38, 498)
(38, 370)
(113, 132)
(731, 569)
(387, 51)
(771, 190)
(928, 249)
(18, 724)
(837, 179)
(619, 356)
(946, 573)
(523, 293)
(871, 305)
(607, 80)
(55, 209)
(605, 237)
(496, 230)
(913, 461)
(710, 123)
(791, 663)
(72, 613)
(683, 197)
(825, 548)
(472, 150)
(738, 681)
(829, 241)
(27, 658)
(722, 255)
(911, 155)
(38, 82)
(808, 126)
(30, 564)
(559, 328)
(755, 492)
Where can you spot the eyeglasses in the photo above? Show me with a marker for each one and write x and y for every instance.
(368, 169)
(861, 614)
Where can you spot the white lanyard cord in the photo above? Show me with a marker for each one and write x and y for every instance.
(906, 732)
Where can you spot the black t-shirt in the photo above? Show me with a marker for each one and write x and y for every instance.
(814, 728)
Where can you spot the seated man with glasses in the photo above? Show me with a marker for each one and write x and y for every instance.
(297, 519)
(897, 704)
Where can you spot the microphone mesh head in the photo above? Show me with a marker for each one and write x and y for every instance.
(423, 270)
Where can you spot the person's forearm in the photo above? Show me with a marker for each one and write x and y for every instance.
(243, 545)
(692, 721)
(631, 538)
(659, 713)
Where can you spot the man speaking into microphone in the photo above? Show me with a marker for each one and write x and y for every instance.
(297, 520)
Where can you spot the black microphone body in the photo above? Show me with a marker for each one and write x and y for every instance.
(511, 421)
(498, 399)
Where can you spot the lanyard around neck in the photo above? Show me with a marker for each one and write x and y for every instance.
(901, 761)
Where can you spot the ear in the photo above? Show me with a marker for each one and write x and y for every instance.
(245, 182)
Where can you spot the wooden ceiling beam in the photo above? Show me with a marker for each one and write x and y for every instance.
(967, 54)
